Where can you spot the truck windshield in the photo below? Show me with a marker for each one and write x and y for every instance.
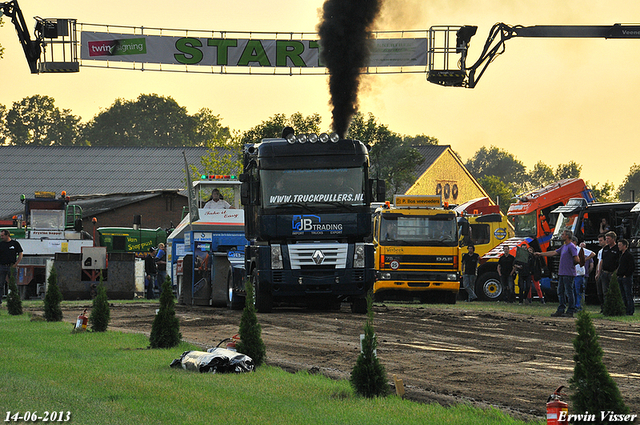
(418, 230)
(565, 223)
(315, 186)
(524, 225)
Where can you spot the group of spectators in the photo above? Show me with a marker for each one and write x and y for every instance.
(613, 257)
(155, 269)
(575, 266)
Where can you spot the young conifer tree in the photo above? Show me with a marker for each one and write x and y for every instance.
(613, 304)
(368, 377)
(53, 298)
(100, 310)
(250, 332)
(14, 303)
(165, 331)
(594, 389)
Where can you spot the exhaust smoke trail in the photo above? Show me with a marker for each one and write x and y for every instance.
(344, 37)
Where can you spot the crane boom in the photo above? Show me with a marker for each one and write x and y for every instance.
(460, 75)
(32, 48)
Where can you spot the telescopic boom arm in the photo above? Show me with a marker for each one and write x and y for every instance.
(468, 76)
(32, 48)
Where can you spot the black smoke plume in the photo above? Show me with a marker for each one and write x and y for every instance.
(344, 38)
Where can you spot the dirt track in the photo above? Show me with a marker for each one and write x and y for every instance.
(507, 360)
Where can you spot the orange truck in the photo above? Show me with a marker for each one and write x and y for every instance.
(533, 226)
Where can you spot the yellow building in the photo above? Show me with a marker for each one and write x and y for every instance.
(442, 173)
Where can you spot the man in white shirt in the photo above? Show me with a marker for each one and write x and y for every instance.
(216, 201)
(580, 281)
(599, 286)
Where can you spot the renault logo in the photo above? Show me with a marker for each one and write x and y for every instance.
(318, 257)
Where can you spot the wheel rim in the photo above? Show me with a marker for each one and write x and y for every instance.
(492, 289)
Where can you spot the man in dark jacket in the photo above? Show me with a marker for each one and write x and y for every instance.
(505, 271)
(150, 271)
(626, 267)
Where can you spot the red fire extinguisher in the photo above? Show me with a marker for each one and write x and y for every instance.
(557, 410)
(231, 345)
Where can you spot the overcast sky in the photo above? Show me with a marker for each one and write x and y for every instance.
(543, 99)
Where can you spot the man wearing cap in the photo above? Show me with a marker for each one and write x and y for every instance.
(10, 256)
(150, 270)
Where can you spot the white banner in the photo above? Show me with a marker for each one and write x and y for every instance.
(238, 52)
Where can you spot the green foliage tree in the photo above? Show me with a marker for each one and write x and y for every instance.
(613, 304)
(494, 161)
(209, 131)
(36, 121)
(3, 120)
(150, 120)
(369, 377)
(14, 303)
(250, 332)
(498, 191)
(1, 48)
(165, 331)
(630, 183)
(392, 158)
(570, 170)
(594, 389)
(100, 310)
(541, 175)
(53, 298)
(420, 140)
(274, 125)
(604, 193)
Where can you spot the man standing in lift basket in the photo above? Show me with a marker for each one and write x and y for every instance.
(566, 274)
(10, 256)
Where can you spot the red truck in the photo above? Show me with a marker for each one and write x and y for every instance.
(533, 224)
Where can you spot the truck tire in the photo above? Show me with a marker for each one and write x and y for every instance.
(450, 297)
(234, 301)
(359, 306)
(263, 297)
(489, 287)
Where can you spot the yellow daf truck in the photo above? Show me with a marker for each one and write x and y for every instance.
(417, 250)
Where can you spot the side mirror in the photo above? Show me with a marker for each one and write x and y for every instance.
(465, 231)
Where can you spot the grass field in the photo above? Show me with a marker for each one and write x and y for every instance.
(112, 378)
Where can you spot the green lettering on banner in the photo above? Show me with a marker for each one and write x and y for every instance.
(254, 52)
(289, 49)
(314, 44)
(222, 45)
(188, 46)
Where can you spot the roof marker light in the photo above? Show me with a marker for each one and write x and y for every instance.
(291, 139)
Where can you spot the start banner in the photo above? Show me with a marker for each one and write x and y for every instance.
(238, 52)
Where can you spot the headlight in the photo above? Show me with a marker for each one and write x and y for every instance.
(276, 257)
(385, 276)
(358, 256)
(452, 276)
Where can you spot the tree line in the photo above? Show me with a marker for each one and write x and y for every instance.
(153, 120)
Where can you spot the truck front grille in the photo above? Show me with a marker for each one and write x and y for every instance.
(325, 255)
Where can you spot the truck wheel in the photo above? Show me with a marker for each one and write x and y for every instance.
(359, 306)
(489, 287)
(263, 297)
(234, 301)
(450, 297)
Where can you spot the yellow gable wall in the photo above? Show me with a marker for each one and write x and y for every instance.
(449, 177)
